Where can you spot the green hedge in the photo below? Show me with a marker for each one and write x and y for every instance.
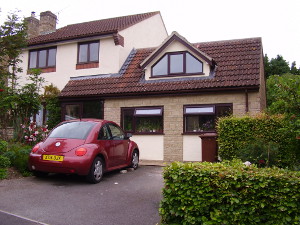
(237, 133)
(229, 193)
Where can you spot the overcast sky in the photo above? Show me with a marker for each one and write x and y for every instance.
(276, 21)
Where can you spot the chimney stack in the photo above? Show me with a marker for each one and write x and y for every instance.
(32, 25)
(46, 24)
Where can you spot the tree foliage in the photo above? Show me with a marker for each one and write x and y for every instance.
(279, 66)
(17, 104)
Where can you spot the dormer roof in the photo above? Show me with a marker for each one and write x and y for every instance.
(90, 29)
(176, 37)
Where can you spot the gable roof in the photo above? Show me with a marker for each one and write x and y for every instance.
(176, 37)
(92, 28)
(238, 66)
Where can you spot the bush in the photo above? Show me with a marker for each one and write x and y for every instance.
(18, 155)
(229, 193)
(4, 162)
(3, 146)
(235, 134)
(3, 173)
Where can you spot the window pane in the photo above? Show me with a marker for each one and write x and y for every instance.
(200, 123)
(83, 48)
(148, 112)
(73, 130)
(197, 110)
(149, 124)
(52, 57)
(193, 65)
(32, 62)
(161, 68)
(94, 51)
(116, 133)
(176, 63)
(42, 58)
(128, 119)
(72, 112)
(223, 111)
(92, 109)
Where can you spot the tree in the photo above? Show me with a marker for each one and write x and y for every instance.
(283, 94)
(17, 104)
(13, 35)
(294, 69)
(279, 66)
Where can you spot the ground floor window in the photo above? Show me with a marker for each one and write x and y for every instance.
(202, 118)
(142, 120)
(84, 109)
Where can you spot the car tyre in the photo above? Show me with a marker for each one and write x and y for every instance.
(96, 172)
(135, 160)
(40, 174)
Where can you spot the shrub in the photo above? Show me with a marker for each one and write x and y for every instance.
(18, 155)
(3, 146)
(229, 193)
(235, 134)
(4, 162)
(3, 173)
(33, 134)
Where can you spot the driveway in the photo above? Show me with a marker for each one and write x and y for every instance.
(119, 199)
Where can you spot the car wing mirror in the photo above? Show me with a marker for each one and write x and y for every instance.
(128, 135)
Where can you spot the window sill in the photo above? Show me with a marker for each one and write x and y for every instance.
(148, 133)
(87, 65)
(198, 132)
(177, 75)
(44, 70)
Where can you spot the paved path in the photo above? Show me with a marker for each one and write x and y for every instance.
(119, 199)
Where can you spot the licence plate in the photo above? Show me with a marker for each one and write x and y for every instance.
(53, 158)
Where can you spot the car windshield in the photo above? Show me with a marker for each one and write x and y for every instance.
(73, 130)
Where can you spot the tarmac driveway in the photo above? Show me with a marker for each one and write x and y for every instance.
(119, 199)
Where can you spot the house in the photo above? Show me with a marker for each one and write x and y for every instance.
(90, 48)
(163, 89)
(170, 95)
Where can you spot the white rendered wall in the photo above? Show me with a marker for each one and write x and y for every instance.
(192, 148)
(151, 146)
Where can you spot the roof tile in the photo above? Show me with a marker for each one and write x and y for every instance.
(238, 65)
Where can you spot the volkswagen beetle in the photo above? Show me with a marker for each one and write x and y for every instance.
(88, 147)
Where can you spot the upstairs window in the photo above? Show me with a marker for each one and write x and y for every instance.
(177, 63)
(42, 58)
(88, 52)
(202, 118)
(147, 120)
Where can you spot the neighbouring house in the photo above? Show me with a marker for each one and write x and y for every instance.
(163, 89)
(90, 48)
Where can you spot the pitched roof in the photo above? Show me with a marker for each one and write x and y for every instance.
(92, 28)
(238, 66)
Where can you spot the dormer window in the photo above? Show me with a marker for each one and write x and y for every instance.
(177, 63)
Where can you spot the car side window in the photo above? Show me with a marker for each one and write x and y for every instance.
(103, 134)
(116, 132)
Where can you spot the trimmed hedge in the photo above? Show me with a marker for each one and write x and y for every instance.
(229, 193)
(237, 133)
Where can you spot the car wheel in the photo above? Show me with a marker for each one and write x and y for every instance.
(96, 172)
(40, 174)
(135, 160)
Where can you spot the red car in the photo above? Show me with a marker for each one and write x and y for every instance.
(86, 147)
